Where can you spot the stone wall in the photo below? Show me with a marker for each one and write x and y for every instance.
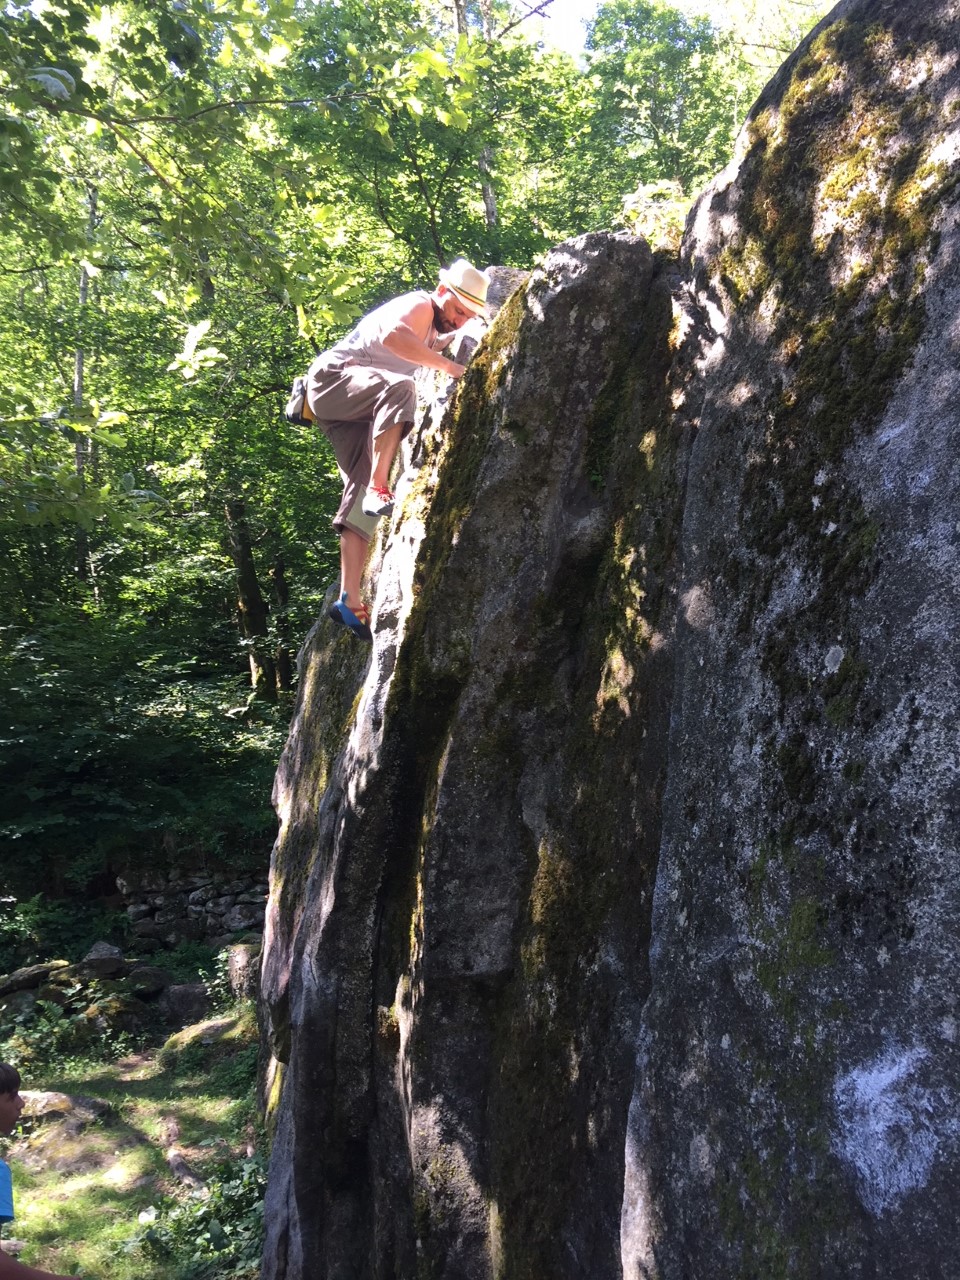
(168, 907)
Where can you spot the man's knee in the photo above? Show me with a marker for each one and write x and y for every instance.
(387, 432)
(398, 404)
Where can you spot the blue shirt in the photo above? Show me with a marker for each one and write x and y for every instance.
(6, 1193)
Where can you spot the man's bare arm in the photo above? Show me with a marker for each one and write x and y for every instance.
(11, 1269)
(407, 339)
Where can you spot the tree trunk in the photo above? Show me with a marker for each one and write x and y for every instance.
(281, 595)
(486, 156)
(252, 609)
(85, 458)
(486, 187)
(81, 441)
(207, 288)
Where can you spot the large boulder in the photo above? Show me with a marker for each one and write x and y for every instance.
(614, 915)
(183, 1003)
(30, 977)
(103, 960)
(454, 959)
(147, 980)
(243, 969)
(795, 1106)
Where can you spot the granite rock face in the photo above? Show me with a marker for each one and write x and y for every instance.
(797, 1092)
(614, 911)
(453, 959)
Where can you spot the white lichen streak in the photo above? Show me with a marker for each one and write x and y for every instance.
(889, 1126)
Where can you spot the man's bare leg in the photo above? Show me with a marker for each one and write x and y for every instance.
(385, 448)
(353, 556)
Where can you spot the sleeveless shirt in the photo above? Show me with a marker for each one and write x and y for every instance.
(364, 344)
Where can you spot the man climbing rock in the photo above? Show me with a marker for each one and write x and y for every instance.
(362, 395)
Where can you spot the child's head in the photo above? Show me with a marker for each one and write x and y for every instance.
(11, 1104)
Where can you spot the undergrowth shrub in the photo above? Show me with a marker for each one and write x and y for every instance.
(51, 1034)
(235, 1075)
(188, 961)
(216, 979)
(216, 1232)
(35, 929)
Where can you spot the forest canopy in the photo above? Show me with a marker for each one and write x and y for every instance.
(195, 197)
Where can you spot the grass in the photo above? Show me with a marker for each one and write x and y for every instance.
(101, 1199)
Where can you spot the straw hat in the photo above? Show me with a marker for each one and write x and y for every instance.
(469, 284)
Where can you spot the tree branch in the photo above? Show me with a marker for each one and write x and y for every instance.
(63, 108)
(536, 10)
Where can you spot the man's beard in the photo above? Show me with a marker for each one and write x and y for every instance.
(440, 321)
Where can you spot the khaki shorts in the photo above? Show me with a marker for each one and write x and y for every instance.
(351, 405)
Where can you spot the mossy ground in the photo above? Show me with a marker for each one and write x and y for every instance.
(79, 1195)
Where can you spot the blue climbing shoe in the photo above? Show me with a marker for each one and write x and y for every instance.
(357, 620)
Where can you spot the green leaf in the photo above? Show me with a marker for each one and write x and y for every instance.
(108, 437)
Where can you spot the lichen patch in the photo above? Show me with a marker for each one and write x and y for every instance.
(890, 1126)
